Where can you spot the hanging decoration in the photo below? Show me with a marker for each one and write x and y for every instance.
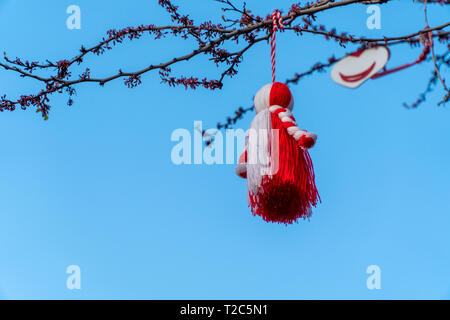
(356, 68)
(276, 162)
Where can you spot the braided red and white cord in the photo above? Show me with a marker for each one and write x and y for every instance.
(290, 124)
(277, 22)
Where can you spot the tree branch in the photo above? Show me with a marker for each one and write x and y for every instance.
(211, 39)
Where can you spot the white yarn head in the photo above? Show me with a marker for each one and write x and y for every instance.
(262, 99)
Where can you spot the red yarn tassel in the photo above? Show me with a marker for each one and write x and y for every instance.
(291, 191)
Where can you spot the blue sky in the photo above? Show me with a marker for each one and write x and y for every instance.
(95, 186)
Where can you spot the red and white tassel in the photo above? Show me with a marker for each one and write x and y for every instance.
(279, 171)
(276, 163)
